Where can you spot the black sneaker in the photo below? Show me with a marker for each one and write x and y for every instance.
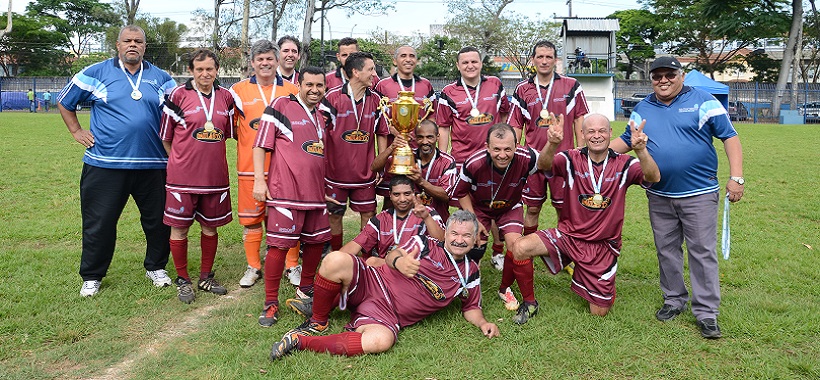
(303, 306)
(289, 343)
(269, 316)
(185, 290)
(210, 284)
(525, 312)
(310, 328)
(668, 312)
(709, 328)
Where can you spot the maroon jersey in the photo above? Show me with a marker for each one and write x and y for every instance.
(293, 78)
(582, 218)
(421, 87)
(468, 133)
(440, 171)
(435, 285)
(351, 148)
(297, 164)
(336, 78)
(381, 233)
(491, 189)
(566, 98)
(197, 163)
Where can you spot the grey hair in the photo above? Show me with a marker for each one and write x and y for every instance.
(463, 216)
(133, 28)
(262, 47)
(396, 54)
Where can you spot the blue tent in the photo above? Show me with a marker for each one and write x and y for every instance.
(694, 78)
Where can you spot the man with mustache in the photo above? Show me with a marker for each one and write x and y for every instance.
(292, 129)
(490, 184)
(289, 48)
(124, 155)
(589, 233)
(338, 77)
(254, 94)
(416, 281)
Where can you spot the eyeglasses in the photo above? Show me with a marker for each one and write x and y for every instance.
(669, 76)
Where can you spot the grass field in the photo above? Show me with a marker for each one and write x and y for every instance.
(770, 315)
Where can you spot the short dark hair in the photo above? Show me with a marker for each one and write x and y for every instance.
(500, 131)
(348, 41)
(201, 55)
(356, 61)
(290, 39)
(313, 70)
(427, 122)
(543, 44)
(400, 180)
(467, 49)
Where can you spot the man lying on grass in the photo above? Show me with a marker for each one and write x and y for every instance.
(420, 277)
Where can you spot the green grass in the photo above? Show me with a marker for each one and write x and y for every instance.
(770, 315)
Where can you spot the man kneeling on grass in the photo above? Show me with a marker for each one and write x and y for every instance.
(420, 277)
(589, 233)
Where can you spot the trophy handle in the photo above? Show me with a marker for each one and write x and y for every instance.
(428, 108)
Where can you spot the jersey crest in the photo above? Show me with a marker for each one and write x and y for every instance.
(214, 136)
(356, 137)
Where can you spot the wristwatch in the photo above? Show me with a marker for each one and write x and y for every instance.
(739, 180)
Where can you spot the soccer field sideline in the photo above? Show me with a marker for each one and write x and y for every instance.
(769, 315)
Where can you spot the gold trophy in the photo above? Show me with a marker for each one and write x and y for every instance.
(404, 117)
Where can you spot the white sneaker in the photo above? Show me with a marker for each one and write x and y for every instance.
(251, 276)
(498, 262)
(295, 275)
(159, 277)
(90, 288)
(510, 303)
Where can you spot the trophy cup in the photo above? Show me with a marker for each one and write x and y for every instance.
(404, 116)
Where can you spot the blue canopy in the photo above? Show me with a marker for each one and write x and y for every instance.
(694, 78)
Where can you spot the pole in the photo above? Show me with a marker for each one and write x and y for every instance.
(322, 35)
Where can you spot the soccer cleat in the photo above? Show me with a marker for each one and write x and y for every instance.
(301, 305)
(269, 316)
(709, 328)
(525, 312)
(667, 313)
(289, 343)
(498, 262)
(310, 328)
(159, 277)
(185, 290)
(251, 276)
(295, 275)
(507, 296)
(90, 288)
(570, 268)
(209, 284)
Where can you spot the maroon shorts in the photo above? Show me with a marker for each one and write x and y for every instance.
(508, 221)
(383, 188)
(286, 227)
(210, 210)
(369, 300)
(596, 263)
(535, 192)
(361, 199)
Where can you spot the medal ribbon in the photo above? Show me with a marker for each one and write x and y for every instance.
(545, 100)
(209, 113)
(312, 118)
(726, 238)
(134, 87)
(429, 166)
(412, 85)
(596, 186)
(461, 279)
(492, 183)
(355, 109)
(396, 238)
(262, 93)
(473, 102)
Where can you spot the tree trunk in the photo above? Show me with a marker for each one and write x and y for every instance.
(131, 7)
(788, 56)
(246, 13)
(217, 3)
(798, 57)
(306, 29)
(8, 24)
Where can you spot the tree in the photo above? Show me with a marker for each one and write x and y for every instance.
(437, 57)
(715, 30)
(481, 25)
(810, 65)
(30, 49)
(635, 39)
(520, 34)
(7, 30)
(765, 68)
(131, 7)
(80, 21)
(788, 56)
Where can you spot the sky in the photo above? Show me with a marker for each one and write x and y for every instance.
(422, 12)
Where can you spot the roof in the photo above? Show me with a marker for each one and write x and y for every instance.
(591, 24)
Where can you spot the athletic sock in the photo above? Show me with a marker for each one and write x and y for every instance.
(274, 265)
(179, 251)
(507, 273)
(347, 343)
(292, 259)
(336, 242)
(252, 240)
(325, 292)
(208, 245)
(524, 276)
(498, 248)
(311, 256)
(530, 229)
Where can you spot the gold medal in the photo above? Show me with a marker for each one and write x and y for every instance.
(545, 114)
(474, 112)
(465, 293)
(209, 126)
(136, 95)
(597, 199)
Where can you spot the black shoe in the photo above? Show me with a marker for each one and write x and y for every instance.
(310, 328)
(525, 312)
(209, 284)
(185, 290)
(269, 316)
(709, 328)
(303, 306)
(668, 313)
(288, 344)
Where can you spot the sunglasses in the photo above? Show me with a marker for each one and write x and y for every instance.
(669, 76)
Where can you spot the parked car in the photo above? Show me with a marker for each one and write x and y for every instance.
(627, 104)
(811, 111)
(738, 111)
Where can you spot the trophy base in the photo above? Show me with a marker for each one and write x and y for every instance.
(403, 161)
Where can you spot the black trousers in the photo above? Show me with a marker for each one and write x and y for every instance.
(103, 195)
